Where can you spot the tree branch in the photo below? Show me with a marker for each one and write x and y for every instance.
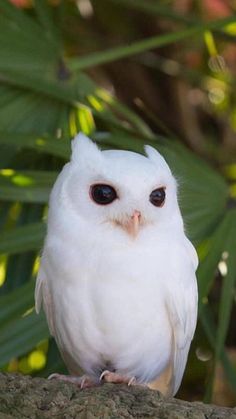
(25, 397)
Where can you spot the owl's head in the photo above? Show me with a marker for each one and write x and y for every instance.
(122, 189)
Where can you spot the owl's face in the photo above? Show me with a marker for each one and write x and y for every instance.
(121, 189)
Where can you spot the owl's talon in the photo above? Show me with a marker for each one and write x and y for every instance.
(103, 374)
(132, 381)
(54, 376)
(116, 378)
(86, 382)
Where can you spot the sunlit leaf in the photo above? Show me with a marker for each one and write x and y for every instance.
(26, 186)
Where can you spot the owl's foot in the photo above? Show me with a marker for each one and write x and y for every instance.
(85, 381)
(114, 377)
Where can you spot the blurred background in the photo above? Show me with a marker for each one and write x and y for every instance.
(127, 73)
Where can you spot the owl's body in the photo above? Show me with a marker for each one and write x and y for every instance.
(115, 300)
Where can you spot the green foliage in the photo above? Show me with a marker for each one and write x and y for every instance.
(45, 98)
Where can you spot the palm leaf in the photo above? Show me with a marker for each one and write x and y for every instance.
(104, 57)
(41, 143)
(26, 186)
(22, 239)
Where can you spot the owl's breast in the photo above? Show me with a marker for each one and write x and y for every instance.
(112, 311)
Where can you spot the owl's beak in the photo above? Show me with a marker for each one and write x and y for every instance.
(132, 226)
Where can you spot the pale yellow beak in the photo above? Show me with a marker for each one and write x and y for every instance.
(132, 226)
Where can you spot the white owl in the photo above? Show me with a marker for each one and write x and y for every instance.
(117, 275)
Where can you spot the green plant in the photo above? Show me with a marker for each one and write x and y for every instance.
(45, 98)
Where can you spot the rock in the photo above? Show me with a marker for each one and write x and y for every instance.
(26, 397)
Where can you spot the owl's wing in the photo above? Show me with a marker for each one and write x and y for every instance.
(43, 297)
(191, 253)
(182, 303)
(182, 311)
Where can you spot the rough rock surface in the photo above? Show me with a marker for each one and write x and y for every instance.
(25, 397)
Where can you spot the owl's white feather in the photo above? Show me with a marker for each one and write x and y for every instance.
(112, 299)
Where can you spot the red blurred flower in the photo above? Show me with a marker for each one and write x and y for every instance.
(21, 3)
(216, 8)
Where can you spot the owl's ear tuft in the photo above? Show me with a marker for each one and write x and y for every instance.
(83, 148)
(156, 157)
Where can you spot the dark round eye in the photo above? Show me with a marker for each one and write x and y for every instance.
(157, 197)
(103, 194)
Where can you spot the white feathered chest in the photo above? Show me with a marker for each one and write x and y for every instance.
(116, 301)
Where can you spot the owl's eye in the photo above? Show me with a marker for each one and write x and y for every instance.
(103, 194)
(157, 197)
